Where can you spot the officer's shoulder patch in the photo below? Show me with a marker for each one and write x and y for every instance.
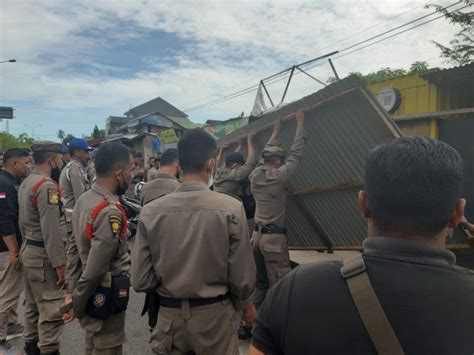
(115, 223)
(228, 194)
(53, 197)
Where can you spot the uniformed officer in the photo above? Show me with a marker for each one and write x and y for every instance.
(100, 229)
(404, 292)
(230, 177)
(42, 255)
(74, 182)
(11, 280)
(166, 180)
(268, 184)
(153, 166)
(192, 246)
(138, 174)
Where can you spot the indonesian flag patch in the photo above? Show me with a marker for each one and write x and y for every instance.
(123, 293)
(3, 195)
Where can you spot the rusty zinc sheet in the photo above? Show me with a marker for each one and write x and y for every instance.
(344, 121)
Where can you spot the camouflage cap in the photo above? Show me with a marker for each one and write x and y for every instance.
(274, 151)
(48, 146)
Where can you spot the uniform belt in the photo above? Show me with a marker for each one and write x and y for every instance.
(270, 229)
(69, 210)
(193, 302)
(35, 243)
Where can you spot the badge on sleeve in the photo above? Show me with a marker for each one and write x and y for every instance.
(115, 224)
(53, 197)
(3, 195)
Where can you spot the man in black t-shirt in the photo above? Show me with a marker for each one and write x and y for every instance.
(16, 166)
(412, 196)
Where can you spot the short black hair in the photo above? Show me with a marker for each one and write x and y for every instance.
(111, 156)
(413, 185)
(234, 157)
(72, 150)
(169, 157)
(195, 148)
(15, 153)
(41, 157)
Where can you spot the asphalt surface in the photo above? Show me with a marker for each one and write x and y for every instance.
(136, 328)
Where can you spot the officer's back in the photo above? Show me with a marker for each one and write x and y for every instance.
(192, 246)
(411, 198)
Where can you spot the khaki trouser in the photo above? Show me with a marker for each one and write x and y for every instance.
(11, 286)
(43, 320)
(204, 330)
(104, 337)
(272, 260)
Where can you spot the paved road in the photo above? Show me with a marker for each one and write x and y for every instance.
(72, 341)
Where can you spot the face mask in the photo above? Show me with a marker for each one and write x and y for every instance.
(56, 173)
(122, 188)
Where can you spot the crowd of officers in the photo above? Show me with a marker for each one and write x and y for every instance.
(207, 262)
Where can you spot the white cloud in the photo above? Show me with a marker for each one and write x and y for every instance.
(222, 45)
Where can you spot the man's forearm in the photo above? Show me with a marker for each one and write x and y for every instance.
(11, 243)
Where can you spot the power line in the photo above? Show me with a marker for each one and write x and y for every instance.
(280, 76)
(230, 91)
(396, 28)
(398, 33)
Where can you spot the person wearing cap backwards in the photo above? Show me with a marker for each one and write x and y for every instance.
(100, 229)
(42, 254)
(74, 182)
(268, 184)
(230, 177)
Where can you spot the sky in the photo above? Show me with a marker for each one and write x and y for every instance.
(79, 62)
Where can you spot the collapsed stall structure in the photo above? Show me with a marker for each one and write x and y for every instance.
(344, 121)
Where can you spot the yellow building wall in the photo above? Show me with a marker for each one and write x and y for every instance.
(417, 95)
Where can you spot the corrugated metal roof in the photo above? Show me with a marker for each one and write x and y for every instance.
(345, 122)
(463, 72)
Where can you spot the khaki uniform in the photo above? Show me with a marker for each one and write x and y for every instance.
(152, 174)
(107, 251)
(162, 185)
(269, 190)
(41, 253)
(193, 244)
(74, 182)
(230, 180)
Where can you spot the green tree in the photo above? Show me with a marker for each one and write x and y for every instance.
(8, 141)
(96, 132)
(418, 67)
(68, 138)
(25, 139)
(61, 134)
(387, 73)
(461, 49)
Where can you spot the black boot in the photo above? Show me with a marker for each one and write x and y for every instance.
(31, 348)
(244, 333)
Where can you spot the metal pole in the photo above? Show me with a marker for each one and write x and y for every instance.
(266, 91)
(7, 126)
(288, 84)
(312, 77)
(333, 69)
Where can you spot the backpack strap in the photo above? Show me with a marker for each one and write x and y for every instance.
(369, 308)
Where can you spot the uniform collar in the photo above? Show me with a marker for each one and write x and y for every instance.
(165, 176)
(101, 191)
(9, 176)
(37, 172)
(192, 186)
(408, 251)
